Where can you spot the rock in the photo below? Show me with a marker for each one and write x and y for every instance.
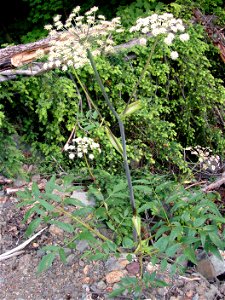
(54, 230)
(212, 293)
(112, 264)
(151, 268)
(211, 267)
(70, 259)
(81, 245)
(86, 280)
(101, 285)
(114, 276)
(133, 268)
(83, 198)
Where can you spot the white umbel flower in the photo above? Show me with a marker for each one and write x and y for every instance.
(174, 55)
(184, 37)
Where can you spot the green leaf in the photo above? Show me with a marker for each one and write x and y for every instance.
(74, 202)
(98, 256)
(163, 264)
(171, 251)
(46, 262)
(86, 235)
(161, 230)
(46, 205)
(114, 140)
(62, 255)
(127, 242)
(50, 185)
(32, 226)
(35, 190)
(131, 108)
(216, 240)
(117, 292)
(65, 226)
(190, 254)
(83, 211)
(176, 232)
(162, 243)
(199, 221)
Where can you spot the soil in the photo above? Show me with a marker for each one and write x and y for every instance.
(80, 278)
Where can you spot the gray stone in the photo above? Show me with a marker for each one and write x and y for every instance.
(211, 267)
(101, 285)
(81, 245)
(70, 259)
(82, 196)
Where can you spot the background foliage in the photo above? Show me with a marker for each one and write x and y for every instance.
(180, 99)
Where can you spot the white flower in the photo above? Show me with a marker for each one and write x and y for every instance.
(71, 156)
(184, 37)
(91, 156)
(66, 147)
(80, 154)
(57, 18)
(168, 41)
(143, 42)
(174, 55)
(76, 9)
(48, 27)
(64, 68)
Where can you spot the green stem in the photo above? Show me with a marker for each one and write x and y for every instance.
(122, 133)
(89, 168)
(143, 72)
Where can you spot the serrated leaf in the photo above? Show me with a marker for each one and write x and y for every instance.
(97, 256)
(35, 190)
(62, 255)
(74, 202)
(83, 211)
(46, 205)
(86, 235)
(65, 226)
(114, 140)
(32, 226)
(50, 185)
(46, 262)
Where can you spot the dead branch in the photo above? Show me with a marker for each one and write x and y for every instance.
(215, 185)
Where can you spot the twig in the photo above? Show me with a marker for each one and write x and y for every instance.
(195, 184)
(17, 250)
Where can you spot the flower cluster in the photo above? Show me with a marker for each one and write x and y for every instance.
(82, 146)
(206, 160)
(162, 24)
(79, 33)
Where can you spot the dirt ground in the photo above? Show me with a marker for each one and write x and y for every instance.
(80, 278)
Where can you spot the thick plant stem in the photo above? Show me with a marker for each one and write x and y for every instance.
(122, 133)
